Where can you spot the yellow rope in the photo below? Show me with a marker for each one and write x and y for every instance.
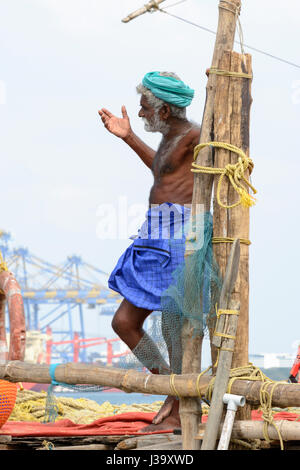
(251, 372)
(223, 311)
(172, 385)
(224, 335)
(229, 240)
(234, 172)
(198, 380)
(3, 266)
(228, 73)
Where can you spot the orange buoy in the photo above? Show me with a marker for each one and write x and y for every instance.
(8, 395)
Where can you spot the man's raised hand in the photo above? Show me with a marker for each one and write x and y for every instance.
(117, 126)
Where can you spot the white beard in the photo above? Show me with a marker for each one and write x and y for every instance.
(156, 125)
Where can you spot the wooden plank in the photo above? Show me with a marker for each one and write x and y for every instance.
(221, 382)
(225, 358)
(175, 445)
(239, 220)
(80, 447)
(141, 441)
(4, 439)
(230, 277)
(69, 440)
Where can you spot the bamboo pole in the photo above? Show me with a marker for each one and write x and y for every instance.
(190, 410)
(284, 395)
(289, 430)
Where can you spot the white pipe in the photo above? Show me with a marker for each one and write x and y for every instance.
(232, 402)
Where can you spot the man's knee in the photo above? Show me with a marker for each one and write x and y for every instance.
(128, 318)
(121, 323)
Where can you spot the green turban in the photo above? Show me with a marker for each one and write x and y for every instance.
(168, 89)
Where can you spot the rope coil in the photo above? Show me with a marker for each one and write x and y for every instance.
(234, 172)
(172, 386)
(249, 373)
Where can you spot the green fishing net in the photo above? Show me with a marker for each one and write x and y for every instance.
(191, 296)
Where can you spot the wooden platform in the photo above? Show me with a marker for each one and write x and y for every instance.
(122, 443)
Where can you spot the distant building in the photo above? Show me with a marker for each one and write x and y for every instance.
(268, 360)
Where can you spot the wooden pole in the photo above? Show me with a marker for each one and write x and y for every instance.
(284, 395)
(224, 41)
(190, 411)
(232, 109)
(221, 381)
(231, 118)
(289, 430)
(150, 6)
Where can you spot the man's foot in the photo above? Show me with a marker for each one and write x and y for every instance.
(166, 418)
(165, 410)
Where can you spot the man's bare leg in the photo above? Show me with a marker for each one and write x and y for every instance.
(128, 324)
(168, 415)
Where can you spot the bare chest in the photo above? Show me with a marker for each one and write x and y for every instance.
(166, 158)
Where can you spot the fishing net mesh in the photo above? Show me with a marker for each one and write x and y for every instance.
(191, 296)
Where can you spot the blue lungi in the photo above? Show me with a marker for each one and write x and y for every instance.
(145, 269)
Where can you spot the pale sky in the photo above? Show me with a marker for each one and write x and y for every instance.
(62, 60)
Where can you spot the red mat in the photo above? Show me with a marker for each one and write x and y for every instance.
(117, 425)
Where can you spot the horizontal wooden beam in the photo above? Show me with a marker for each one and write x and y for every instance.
(186, 385)
(289, 430)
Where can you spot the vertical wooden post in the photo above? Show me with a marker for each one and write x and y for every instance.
(231, 118)
(190, 411)
(232, 114)
(224, 41)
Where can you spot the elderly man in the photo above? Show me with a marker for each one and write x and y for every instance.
(145, 270)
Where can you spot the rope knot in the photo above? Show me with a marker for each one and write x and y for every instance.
(235, 172)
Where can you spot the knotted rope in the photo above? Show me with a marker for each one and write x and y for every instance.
(234, 172)
(252, 372)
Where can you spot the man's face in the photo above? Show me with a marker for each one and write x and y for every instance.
(151, 117)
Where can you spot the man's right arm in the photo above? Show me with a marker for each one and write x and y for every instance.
(121, 128)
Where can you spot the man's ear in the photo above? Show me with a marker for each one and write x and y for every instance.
(165, 112)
